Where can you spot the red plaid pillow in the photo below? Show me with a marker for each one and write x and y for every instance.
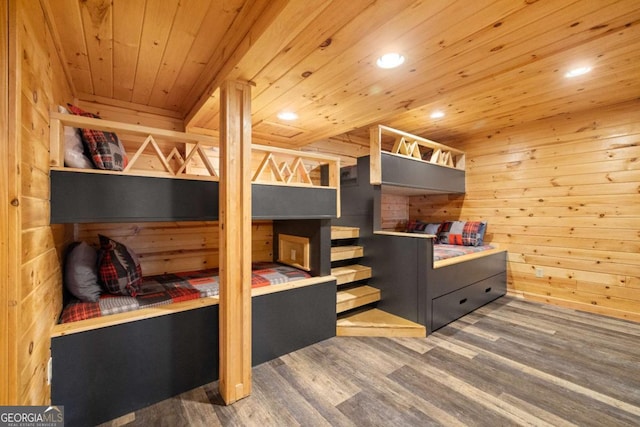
(118, 268)
(106, 149)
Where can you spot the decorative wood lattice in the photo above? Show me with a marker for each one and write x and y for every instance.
(161, 152)
(282, 173)
(174, 156)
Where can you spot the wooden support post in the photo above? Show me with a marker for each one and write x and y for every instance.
(235, 241)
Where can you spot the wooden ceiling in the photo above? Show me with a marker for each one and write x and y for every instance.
(486, 64)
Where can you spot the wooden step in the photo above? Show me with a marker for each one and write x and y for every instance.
(338, 253)
(339, 232)
(377, 323)
(356, 297)
(351, 273)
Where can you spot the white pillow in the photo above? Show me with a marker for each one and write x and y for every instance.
(73, 148)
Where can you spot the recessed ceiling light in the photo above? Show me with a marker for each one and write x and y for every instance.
(437, 114)
(390, 60)
(577, 72)
(287, 115)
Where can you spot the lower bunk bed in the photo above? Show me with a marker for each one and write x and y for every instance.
(114, 362)
(434, 284)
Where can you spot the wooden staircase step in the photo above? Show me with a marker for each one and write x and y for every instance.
(339, 232)
(351, 273)
(338, 253)
(377, 323)
(356, 297)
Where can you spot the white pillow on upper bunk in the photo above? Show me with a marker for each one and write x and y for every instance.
(73, 147)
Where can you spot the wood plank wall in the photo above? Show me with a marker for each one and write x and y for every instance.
(562, 196)
(34, 296)
(170, 247)
(5, 199)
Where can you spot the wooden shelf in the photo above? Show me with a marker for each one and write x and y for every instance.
(351, 273)
(339, 253)
(377, 323)
(356, 297)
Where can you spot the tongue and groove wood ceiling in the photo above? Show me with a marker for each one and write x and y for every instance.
(486, 64)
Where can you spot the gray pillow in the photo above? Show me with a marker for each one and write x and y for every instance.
(81, 273)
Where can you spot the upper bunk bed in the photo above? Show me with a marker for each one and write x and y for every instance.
(407, 164)
(173, 176)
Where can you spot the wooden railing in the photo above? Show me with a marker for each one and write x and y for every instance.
(404, 144)
(166, 153)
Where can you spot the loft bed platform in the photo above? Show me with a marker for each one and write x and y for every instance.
(173, 176)
(135, 359)
(434, 292)
(406, 164)
(140, 357)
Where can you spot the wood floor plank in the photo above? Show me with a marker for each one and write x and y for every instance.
(512, 362)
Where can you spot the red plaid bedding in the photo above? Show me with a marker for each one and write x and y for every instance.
(441, 252)
(170, 288)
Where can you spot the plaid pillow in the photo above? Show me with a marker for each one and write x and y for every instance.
(451, 233)
(105, 148)
(464, 233)
(473, 233)
(118, 268)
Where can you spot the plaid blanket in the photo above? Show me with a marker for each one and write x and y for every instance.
(449, 251)
(177, 287)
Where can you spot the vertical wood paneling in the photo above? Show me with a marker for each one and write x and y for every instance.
(562, 196)
(157, 25)
(97, 21)
(6, 233)
(34, 298)
(127, 17)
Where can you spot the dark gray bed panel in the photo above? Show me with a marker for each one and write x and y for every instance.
(400, 172)
(456, 304)
(394, 263)
(286, 321)
(102, 374)
(78, 197)
(282, 202)
(319, 233)
(446, 279)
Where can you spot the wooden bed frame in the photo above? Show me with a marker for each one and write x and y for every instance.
(109, 366)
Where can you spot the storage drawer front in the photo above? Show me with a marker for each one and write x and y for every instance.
(444, 280)
(449, 307)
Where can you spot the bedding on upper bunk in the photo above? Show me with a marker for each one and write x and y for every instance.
(441, 251)
(169, 288)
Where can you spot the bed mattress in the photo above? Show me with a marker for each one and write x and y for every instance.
(176, 287)
(441, 252)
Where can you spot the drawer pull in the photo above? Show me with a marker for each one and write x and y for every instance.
(463, 300)
(488, 289)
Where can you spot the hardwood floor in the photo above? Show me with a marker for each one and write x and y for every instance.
(511, 362)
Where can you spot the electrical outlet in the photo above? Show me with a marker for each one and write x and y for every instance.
(293, 254)
(539, 272)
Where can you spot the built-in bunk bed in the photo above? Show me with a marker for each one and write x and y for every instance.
(109, 365)
(430, 273)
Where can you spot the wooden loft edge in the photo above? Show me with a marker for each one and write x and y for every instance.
(87, 97)
(151, 174)
(166, 309)
(402, 234)
(140, 130)
(130, 316)
(424, 141)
